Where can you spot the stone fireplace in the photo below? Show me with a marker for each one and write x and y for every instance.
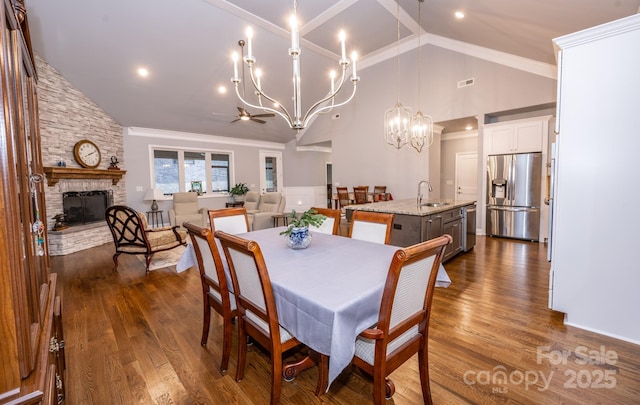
(67, 116)
(85, 207)
(85, 202)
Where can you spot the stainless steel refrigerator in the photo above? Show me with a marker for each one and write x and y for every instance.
(513, 195)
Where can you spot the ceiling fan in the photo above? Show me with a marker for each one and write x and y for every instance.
(243, 115)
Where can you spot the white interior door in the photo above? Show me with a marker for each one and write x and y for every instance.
(466, 176)
(270, 171)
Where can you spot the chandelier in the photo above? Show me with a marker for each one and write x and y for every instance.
(296, 120)
(397, 119)
(421, 125)
(400, 126)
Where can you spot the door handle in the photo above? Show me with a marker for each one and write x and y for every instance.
(510, 209)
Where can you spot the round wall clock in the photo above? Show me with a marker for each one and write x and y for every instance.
(87, 154)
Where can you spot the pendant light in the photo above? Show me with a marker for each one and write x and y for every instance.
(421, 125)
(397, 119)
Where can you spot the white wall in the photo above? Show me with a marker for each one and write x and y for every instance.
(305, 168)
(359, 153)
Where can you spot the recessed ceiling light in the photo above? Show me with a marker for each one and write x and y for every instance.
(459, 15)
(468, 128)
(222, 90)
(143, 72)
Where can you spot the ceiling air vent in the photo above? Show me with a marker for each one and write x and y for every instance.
(467, 82)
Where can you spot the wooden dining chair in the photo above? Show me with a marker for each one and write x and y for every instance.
(215, 289)
(343, 197)
(331, 224)
(361, 194)
(402, 329)
(379, 193)
(257, 313)
(371, 226)
(230, 220)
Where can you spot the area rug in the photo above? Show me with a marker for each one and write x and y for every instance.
(168, 258)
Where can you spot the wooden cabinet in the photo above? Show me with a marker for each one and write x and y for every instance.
(27, 289)
(515, 137)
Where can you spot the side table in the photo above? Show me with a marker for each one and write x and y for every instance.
(234, 204)
(278, 217)
(152, 217)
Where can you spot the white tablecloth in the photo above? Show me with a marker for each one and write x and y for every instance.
(328, 293)
(188, 260)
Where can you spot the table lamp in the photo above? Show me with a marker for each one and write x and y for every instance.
(153, 194)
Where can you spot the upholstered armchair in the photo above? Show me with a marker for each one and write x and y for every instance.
(251, 201)
(132, 235)
(270, 204)
(185, 209)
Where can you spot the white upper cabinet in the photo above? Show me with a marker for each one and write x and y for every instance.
(515, 136)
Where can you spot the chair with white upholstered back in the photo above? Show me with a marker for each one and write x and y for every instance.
(229, 220)
(257, 312)
(371, 226)
(331, 224)
(402, 329)
(216, 292)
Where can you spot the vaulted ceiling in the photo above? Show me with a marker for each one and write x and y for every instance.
(186, 46)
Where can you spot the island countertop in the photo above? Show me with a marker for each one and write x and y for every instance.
(410, 206)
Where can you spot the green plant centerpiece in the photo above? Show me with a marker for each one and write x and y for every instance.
(239, 191)
(297, 233)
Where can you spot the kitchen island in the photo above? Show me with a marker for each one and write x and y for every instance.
(414, 224)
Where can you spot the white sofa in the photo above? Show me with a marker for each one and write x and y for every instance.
(261, 208)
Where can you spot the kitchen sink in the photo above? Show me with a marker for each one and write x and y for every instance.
(435, 204)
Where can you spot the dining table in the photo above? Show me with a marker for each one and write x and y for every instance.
(328, 293)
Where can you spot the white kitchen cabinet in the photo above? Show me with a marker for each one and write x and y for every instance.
(521, 136)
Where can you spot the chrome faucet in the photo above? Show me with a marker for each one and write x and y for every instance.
(420, 190)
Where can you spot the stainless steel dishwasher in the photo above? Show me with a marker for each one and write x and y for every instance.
(469, 231)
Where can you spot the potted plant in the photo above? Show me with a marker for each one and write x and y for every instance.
(297, 233)
(239, 191)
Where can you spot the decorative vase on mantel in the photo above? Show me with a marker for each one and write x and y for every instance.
(299, 238)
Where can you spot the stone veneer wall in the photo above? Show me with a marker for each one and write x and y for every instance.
(67, 116)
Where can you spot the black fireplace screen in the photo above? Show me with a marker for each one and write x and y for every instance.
(84, 207)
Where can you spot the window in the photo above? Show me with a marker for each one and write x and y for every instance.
(220, 172)
(166, 176)
(194, 171)
(189, 170)
(270, 173)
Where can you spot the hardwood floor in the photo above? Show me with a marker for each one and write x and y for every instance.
(135, 338)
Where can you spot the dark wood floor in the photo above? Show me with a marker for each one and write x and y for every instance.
(135, 338)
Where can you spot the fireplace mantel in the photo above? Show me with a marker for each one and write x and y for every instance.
(54, 174)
